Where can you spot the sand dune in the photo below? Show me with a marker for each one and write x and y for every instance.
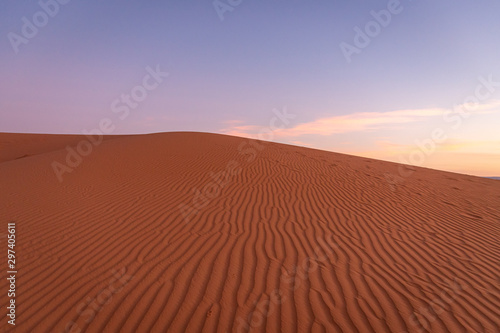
(190, 232)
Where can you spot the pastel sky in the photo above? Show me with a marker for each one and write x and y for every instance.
(430, 67)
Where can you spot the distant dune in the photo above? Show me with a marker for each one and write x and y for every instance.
(497, 178)
(190, 232)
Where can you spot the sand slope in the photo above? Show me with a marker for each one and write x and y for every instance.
(202, 232)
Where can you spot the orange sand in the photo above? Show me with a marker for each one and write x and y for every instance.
(190, 232)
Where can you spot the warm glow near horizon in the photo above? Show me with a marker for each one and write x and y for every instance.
(463, 139)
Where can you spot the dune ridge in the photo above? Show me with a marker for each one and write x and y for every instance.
(205, 232)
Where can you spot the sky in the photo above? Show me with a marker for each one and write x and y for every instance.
(410, 81)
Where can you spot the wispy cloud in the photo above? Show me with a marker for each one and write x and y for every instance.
(340, 124)
(357, 122)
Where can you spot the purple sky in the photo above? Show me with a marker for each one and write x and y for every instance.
(227, 76)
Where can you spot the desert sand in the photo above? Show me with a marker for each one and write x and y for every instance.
(191, 232)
